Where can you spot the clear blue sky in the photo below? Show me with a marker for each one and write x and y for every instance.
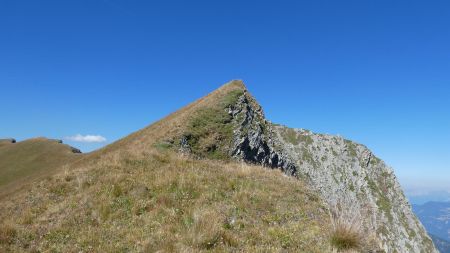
(377, 72)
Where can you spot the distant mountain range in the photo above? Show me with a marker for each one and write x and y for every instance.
(442, 245)
(436, 196)
(435, 216)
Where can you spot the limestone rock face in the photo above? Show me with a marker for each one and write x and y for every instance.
(253, 140)
(346, 174)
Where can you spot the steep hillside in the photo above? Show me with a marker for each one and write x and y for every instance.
(348, 174)
(201, 179)
(157, 201)
(31, 159)
(140, 194)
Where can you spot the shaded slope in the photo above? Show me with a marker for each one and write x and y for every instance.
(30, 159)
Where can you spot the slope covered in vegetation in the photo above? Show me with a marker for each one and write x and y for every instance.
(209, 177)
(29, 160)
(158, 200)
(139, 194)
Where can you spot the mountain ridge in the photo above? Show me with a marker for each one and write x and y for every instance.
(441, 244)
(367, 180)
(435, 216)
(229, 126)
(256, 140)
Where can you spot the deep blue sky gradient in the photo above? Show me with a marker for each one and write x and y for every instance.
(377, 72)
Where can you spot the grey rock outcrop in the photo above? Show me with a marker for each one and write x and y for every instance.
(346, 174)
(75, 150)
(252, 139)
(56, 140)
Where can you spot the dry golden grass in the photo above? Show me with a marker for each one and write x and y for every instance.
(30, 160)
(172, 125)
(159, 201)
(348, 234)
(137, 195)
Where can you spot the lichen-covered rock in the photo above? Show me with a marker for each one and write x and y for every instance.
(346, 174)
(252, 137)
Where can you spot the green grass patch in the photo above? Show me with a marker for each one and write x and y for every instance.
(295, 138)
(351, 148)
(231, 98)
(384, 204)
(163, 146)
(210, 130)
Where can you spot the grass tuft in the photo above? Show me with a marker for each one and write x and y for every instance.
(7, 233)
(348, 234)
(345, 237)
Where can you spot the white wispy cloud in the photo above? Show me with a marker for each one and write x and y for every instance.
(86, 138)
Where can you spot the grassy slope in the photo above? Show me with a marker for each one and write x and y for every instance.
(158, 200)
(174, 124)
(31, 159)
(137, 195)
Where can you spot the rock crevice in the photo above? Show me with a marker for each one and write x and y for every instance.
(252, 139)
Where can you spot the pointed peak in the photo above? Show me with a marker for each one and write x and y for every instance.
(227, 94)
(237, 83)
(230, 92)
(232, 86)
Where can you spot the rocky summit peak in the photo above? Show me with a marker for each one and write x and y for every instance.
(235, 83)
(229, 124)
